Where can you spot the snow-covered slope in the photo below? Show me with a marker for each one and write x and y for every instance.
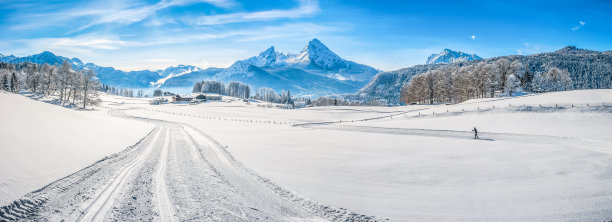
(450, 56)
(41, 142)
(175, 71)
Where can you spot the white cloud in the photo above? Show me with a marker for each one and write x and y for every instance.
(289, 30)
(81, 44)
(102, 12)
(473, 37)
(139, 13)
(305, 8)
(580, 24)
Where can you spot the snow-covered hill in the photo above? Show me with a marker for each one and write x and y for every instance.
(450, 56)
(588, 69)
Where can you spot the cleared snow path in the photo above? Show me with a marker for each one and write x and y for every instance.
(103, 202)
(176, 173)
(166, 213)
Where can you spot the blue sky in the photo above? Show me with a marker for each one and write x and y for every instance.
(153, 34)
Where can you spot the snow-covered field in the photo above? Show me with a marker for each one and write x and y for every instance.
(537, 159)
(41, 143)
(533, 163)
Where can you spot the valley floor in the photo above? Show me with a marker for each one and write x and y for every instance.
(541, 157)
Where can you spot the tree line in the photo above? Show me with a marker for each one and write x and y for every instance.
(77, 87)
(454, 84)
(121, 91)
(241, 90)
(235, 89)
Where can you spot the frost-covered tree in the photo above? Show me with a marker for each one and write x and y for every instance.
(90, 84)
(157, 93)
(213, 87)
(14, 86)
(556, 80)
(33, 77)
(197, 87)
(62, 78)
(267, 94)
(238, 89)
(5, 83)
(455, 84)
(511, 85)
(48, 85)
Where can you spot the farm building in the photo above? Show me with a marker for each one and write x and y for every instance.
(179, 99)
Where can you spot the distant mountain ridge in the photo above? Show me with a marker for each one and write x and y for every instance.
(588, 69)
(107, 75)
(316, 70)
(448, 56)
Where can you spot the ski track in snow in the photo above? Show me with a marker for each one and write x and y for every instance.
(166, 212)
(176, 173)
(96, 210)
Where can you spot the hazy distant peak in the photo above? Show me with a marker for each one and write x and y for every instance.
(450, 56)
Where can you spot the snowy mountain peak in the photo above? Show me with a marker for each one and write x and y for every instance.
(268, 52)
(450, 56)
(315, 44)
(45, 53)
(267, 58)
(317, 54)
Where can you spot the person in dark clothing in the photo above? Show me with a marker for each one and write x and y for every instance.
(475, 133)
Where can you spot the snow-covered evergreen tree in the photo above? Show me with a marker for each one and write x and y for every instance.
(5, 83)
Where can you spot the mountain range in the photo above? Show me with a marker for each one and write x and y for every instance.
(315, 71)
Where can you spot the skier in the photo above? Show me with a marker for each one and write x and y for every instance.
(475, 133)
